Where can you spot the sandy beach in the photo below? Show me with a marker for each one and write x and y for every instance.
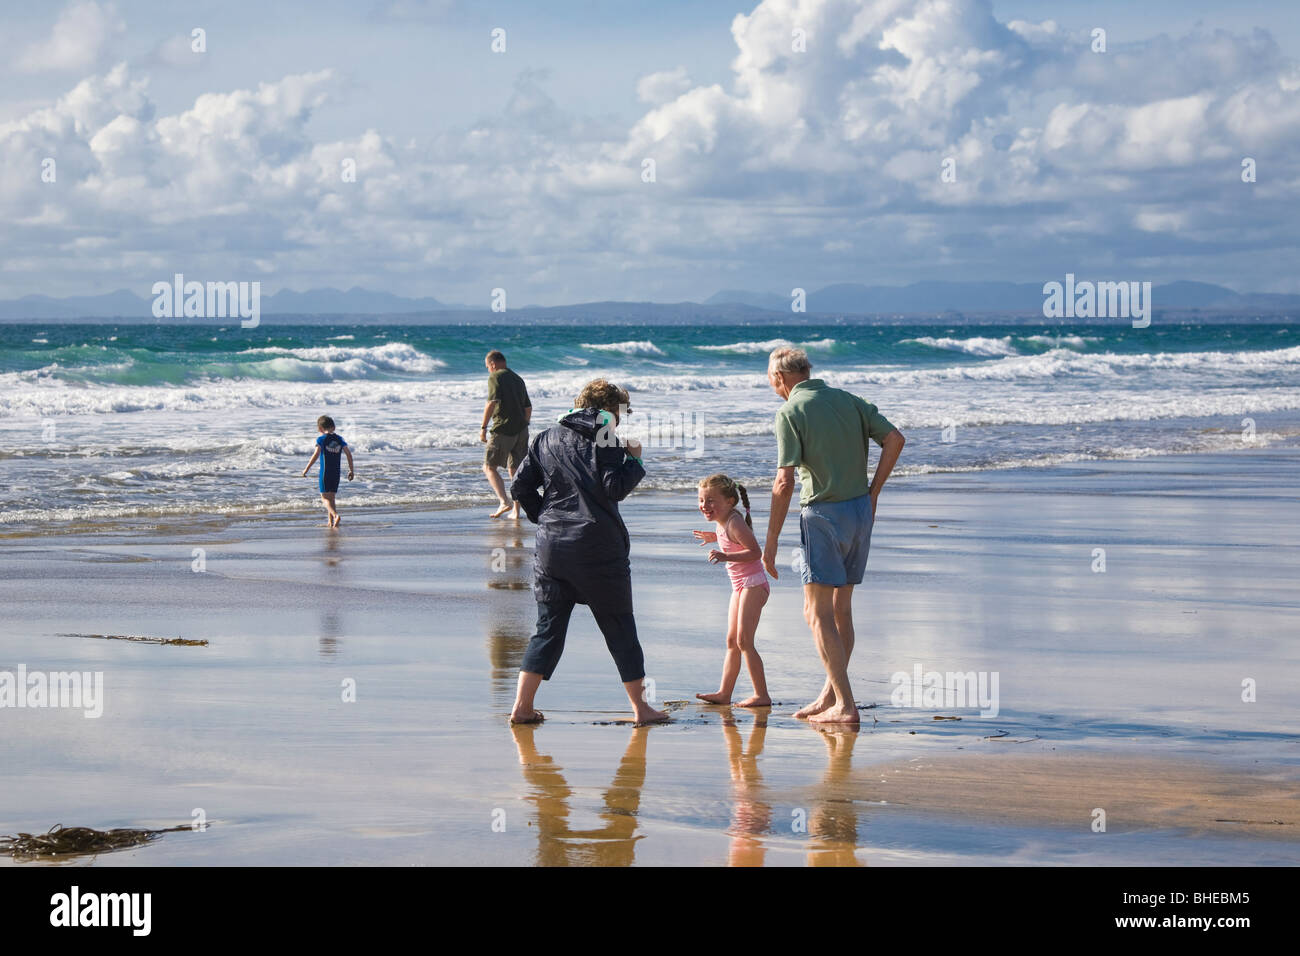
(1118, 690)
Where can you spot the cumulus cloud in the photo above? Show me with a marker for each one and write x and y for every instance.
(657, 88)
(819, 161)
(78, 40)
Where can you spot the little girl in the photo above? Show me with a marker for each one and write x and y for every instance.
(719, 498)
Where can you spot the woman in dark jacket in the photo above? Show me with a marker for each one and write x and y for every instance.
(570, 485)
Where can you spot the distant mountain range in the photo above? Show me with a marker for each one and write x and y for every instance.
(125, 304)
(919, 298)
(932, 297)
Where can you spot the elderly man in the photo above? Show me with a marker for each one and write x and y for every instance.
(824, 432)
(508, 412)
(570, 484)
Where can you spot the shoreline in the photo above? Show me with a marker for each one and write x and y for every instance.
(165, 522)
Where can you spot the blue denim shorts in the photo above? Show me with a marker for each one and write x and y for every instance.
(835, 537)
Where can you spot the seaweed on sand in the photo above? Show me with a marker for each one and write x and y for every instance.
(73, 841)
(173, 641)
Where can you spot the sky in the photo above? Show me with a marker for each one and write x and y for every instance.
(646, 151)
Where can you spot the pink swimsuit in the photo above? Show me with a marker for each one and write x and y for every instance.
(744, 574)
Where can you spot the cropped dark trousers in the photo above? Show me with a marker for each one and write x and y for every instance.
(556, 598)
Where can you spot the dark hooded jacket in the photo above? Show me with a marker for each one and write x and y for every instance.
(570, 486)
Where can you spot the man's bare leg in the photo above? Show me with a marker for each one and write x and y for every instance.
(524, 712)
(827, 695)
(494, 479)
(830, 648)
(642, 712)
(843, 603)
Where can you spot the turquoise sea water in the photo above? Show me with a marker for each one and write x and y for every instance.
(100, 422)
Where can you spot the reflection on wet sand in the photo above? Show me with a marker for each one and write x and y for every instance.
(510, 617)
(613, 844)
(506, 643)
(751, 815)
(330, 628)
(833, 821)
(509, 563)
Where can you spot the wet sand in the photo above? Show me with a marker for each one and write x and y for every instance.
(1118, 690)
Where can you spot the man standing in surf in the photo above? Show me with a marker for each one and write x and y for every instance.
(508, 412)
(826, 433)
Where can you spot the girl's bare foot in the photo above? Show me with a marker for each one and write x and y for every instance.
(505, 506)
(756, 702)
(836, 715)
(718, 698)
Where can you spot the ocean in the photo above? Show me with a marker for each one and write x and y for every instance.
(108, 423)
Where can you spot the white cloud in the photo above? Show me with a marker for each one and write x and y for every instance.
(77, 41)
(657, 88)
(809, 166)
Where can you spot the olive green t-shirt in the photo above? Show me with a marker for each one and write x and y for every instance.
(824, 431)
(508, 391)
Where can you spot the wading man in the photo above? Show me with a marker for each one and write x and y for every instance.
(507, 412)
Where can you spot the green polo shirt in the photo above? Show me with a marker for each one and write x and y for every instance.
(511, 395)
(824, 432)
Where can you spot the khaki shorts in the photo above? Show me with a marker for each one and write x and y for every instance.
(506, 451)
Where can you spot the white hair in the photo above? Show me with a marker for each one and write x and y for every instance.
(789, 360)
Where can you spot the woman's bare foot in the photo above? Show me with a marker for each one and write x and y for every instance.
(505, 506)
(756, 701)
(648, 715)
(836, 715)
(718, 698)
(527, 717)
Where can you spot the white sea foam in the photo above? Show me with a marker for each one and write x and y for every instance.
(643, 348)
(336, 359)
(766, 346)
(1063, 341)
(975, 345)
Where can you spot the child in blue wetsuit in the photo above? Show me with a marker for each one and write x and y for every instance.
(330, 449)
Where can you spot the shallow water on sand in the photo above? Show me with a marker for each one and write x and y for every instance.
(1119, 690)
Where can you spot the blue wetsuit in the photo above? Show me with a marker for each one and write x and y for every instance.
(331, 448)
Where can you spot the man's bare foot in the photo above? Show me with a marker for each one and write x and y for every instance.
(718, 698)
(648, 715)
(816, 707)
(505, 506)
(836, 715)
(756, 701)
(527, 717)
